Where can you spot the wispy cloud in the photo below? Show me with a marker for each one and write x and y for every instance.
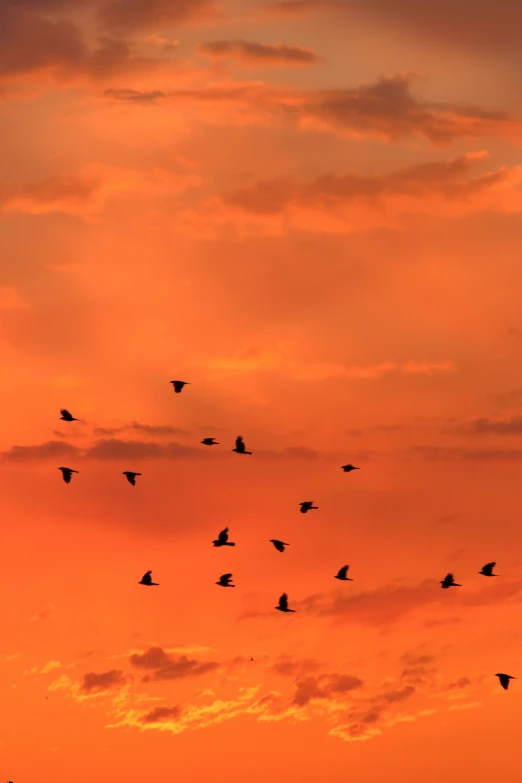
(256, 54)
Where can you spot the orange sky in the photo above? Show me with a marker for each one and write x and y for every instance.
(311, 211)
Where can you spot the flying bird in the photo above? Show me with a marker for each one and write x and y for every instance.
(209, 442)
(279, 545)
(448, 581)
(307, 505)
(224, 580)
(178, 385)
(146, 579)
(283, 604)
(504, 680)
(240, 446)
(487, 570)
(222, 539)
(67, 473)
(66, 416)
(348, 468)
(131, 477)
(342, 574)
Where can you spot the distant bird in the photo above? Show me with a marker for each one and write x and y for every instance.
(67, 473)
(224, 580)
(448, 581)
(342, 574)
(131, 477)
(348, 468)
(240, 446)
(178, 385)
(66, 416)
(307, 505)
(487, 569)
(209, 442)
(251, 658)
(504, 680)
(146, 579)
(283, 604)
(222, 539)
(279, 545)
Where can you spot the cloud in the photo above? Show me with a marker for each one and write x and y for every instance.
(159, 714)
(484, 426)
(389, 604)
(148, 429)
(94, 682)
(85, 192)
(443, 454)
(324, 687)
(385, 109)
(293, 8)
(289, 667)
(259, 54)
(51, 449)
(344, 203)
(167, 667)
(130, 15)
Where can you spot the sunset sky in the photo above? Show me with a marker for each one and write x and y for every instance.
(312, 212)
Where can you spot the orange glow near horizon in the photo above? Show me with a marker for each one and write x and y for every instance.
(311, 212)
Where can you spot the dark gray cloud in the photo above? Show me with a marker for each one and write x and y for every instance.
(487, 426)
(259, 54)
(160, 714)
(149, 429)
(94, 682)
(52, 449)
(166, 667)
(385, 109)
(326, 686)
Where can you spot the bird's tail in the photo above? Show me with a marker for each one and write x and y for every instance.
(229, 543)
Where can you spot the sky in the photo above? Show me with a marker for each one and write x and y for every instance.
(311, 212)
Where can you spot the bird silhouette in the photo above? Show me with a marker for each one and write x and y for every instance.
(209, 442)
(240, 446)
(178, 385)
(131, 477)
(146, 580)
(342, 574)
(279, 545)
(222, 539)
(283, 604)
(66, 416)
(67, 473)
(504, 680)
(448, 581)
(224, 581)
(251, 658)
(307, 505)
(348, 468)
(488, 569)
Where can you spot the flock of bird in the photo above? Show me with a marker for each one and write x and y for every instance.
(225, 580)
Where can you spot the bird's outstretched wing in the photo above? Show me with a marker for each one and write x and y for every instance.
(239, 443)
(226, 576)
(64, 412)
(283, 601)
(343, 571)
(223, 536)
(489, 567)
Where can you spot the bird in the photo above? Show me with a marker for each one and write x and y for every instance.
(251, 658)
(279, 545)
(448, 581)
(348, 468)
(67, 473)
(131, 477)
(209, 442)
(283, 604)
(222, 539)
(240, 446)
(146, 580)
(342, 574)
(178, 385)
(224, 580)
(487, 569)
(307, 505)
(504, 680)
(66, 416)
